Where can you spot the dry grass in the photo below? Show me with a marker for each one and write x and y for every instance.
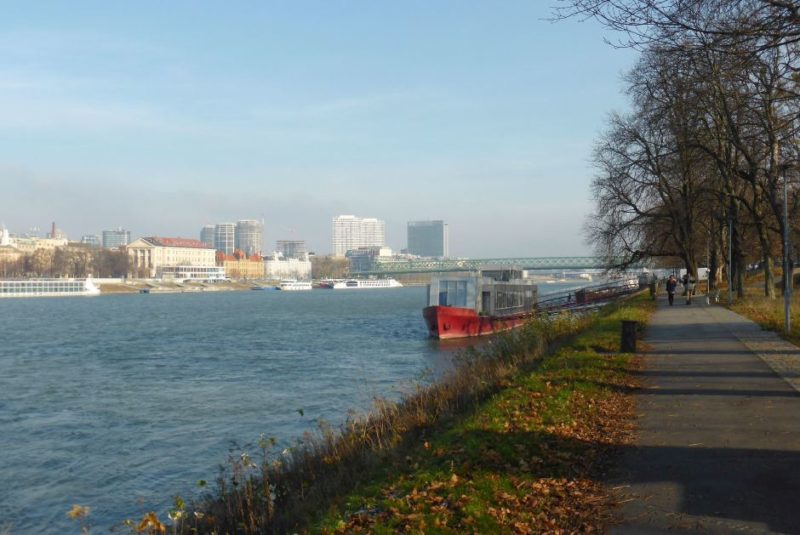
(769, 313)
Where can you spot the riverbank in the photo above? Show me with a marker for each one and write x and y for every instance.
(155, 286)
(517, 440)
(135, 286)
(530, 458)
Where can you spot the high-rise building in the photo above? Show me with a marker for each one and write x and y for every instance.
(351, 232)
(114, 239)
(91, 240)
(291, 248)
(249, 236)
(225, 237)
(207, 235)
(429, 238)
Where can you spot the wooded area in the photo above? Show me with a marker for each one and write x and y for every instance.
(700, 165)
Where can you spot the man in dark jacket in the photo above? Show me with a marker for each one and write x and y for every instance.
(672, 284)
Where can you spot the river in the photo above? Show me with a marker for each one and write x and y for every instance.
(120, 402)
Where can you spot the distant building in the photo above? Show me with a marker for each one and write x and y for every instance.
(148, 257)
(114, 239)
(5, 237)
(291, 248)
(243, 268)
(277, 267)
(29, 245)
(365, 258)
(56, 233)
(428, 238)
(225, 237)
(249, 236)
(91, 240)
(351, 232)
(193, 273)
(207, 235)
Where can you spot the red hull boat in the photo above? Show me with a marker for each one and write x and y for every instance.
(477, 304)
(451, 322)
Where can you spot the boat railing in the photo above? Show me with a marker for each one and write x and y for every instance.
(585, 296)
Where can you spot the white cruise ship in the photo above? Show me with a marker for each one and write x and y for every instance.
(291, 285)
(352, 284)
(48, 288)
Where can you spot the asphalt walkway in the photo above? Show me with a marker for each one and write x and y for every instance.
(718, 447)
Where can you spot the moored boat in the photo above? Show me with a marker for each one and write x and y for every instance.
(490, 301)
(291, 285)
(352, 284)
(48, 288)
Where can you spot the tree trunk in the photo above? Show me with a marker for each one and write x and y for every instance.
(767, 262)
(769, 276)
(713, 266)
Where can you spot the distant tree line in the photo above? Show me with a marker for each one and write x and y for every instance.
(329, 267)
(700, 160)
(67, 261)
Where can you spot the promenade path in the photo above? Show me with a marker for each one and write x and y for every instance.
(718, 446)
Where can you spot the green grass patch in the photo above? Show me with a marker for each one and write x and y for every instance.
(524, 460)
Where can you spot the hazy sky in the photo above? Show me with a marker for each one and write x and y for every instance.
(161, 117)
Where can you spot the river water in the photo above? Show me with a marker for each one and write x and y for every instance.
(120, 402)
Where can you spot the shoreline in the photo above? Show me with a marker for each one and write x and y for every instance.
(136, 287)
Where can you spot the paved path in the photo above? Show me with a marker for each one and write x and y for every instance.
(718, 448)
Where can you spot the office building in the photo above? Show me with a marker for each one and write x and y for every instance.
(428, 238)
(249, 236)
(114, 239)
(351, 232)
(91, 240)
(291, 248)
(225, 237)
(207, 235)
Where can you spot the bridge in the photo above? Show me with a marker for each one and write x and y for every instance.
(427, 265)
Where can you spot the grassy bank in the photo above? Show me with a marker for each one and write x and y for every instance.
(769, 313)
(514, 441)
(527, 460)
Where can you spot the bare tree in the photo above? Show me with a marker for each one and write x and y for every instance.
(762, 24)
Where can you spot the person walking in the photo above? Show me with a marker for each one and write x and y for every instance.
(688, 283)
(672, 284)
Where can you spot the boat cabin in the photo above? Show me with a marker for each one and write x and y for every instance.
(489, 292)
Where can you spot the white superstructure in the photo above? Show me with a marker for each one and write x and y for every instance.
(48, 288)
(352, 284)
(291, 285)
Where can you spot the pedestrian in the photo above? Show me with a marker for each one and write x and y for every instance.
(672, 284)
(689, 288)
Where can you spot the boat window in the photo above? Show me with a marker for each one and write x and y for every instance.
(453, 293)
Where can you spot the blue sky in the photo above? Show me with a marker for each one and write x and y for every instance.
(162, 117)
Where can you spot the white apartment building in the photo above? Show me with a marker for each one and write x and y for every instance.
(351, 232)
(149, 256)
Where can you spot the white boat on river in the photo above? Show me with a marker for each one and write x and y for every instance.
(353, 284)
(48, 288)
(291, 285)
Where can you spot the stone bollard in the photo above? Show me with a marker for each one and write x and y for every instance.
(628, 340)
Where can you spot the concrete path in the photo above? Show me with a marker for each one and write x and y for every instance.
(718, 448)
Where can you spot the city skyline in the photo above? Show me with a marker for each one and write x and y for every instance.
(481, 115)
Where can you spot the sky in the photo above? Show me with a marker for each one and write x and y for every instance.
(161, 117)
